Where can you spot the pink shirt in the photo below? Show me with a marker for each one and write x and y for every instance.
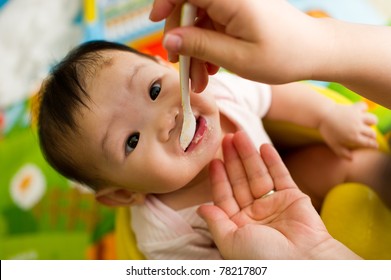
(163, 233)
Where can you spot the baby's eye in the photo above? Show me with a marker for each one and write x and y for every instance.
(131, 143)
(155, 90)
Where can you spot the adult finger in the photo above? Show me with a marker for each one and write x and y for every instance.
(257, 174)
(217, 9)
(236, 173)
(161, 9)
(277, 169)
(221, 189)
(199, 75)
(220, 226)
(173, 21)
(213, 47)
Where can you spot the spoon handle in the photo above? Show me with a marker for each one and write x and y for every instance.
(188, 15)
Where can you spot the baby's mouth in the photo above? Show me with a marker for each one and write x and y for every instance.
(199, 133)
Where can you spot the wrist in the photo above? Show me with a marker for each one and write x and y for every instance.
(326, 114)
(331, 249)
(326, 53)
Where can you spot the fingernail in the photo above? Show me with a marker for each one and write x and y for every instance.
(172, 42)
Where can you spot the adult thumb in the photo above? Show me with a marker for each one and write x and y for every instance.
(206, 45)
(220, 226)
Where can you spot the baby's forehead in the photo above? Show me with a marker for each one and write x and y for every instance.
(119, 70)
(114, 60)
(115, 63)
(111, 56)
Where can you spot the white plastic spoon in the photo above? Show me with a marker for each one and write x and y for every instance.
(188, 15)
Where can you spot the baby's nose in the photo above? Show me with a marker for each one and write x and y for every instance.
(167, 123)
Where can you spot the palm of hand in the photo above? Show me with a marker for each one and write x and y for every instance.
(286, 224)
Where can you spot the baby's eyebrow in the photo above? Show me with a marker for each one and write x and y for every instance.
(104, 143)
(136, 71)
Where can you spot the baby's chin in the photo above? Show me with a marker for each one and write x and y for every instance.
(191, 176)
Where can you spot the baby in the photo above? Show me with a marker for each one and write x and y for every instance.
(111, 118)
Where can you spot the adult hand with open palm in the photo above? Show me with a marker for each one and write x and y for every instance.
(259, 212)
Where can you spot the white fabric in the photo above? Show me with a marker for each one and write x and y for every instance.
(163, 233)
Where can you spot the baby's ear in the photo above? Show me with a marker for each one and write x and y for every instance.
(114, 197)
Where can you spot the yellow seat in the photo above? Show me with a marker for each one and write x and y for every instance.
(126, 244)
(354, 215)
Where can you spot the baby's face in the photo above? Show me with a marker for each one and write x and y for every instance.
(130, 134)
